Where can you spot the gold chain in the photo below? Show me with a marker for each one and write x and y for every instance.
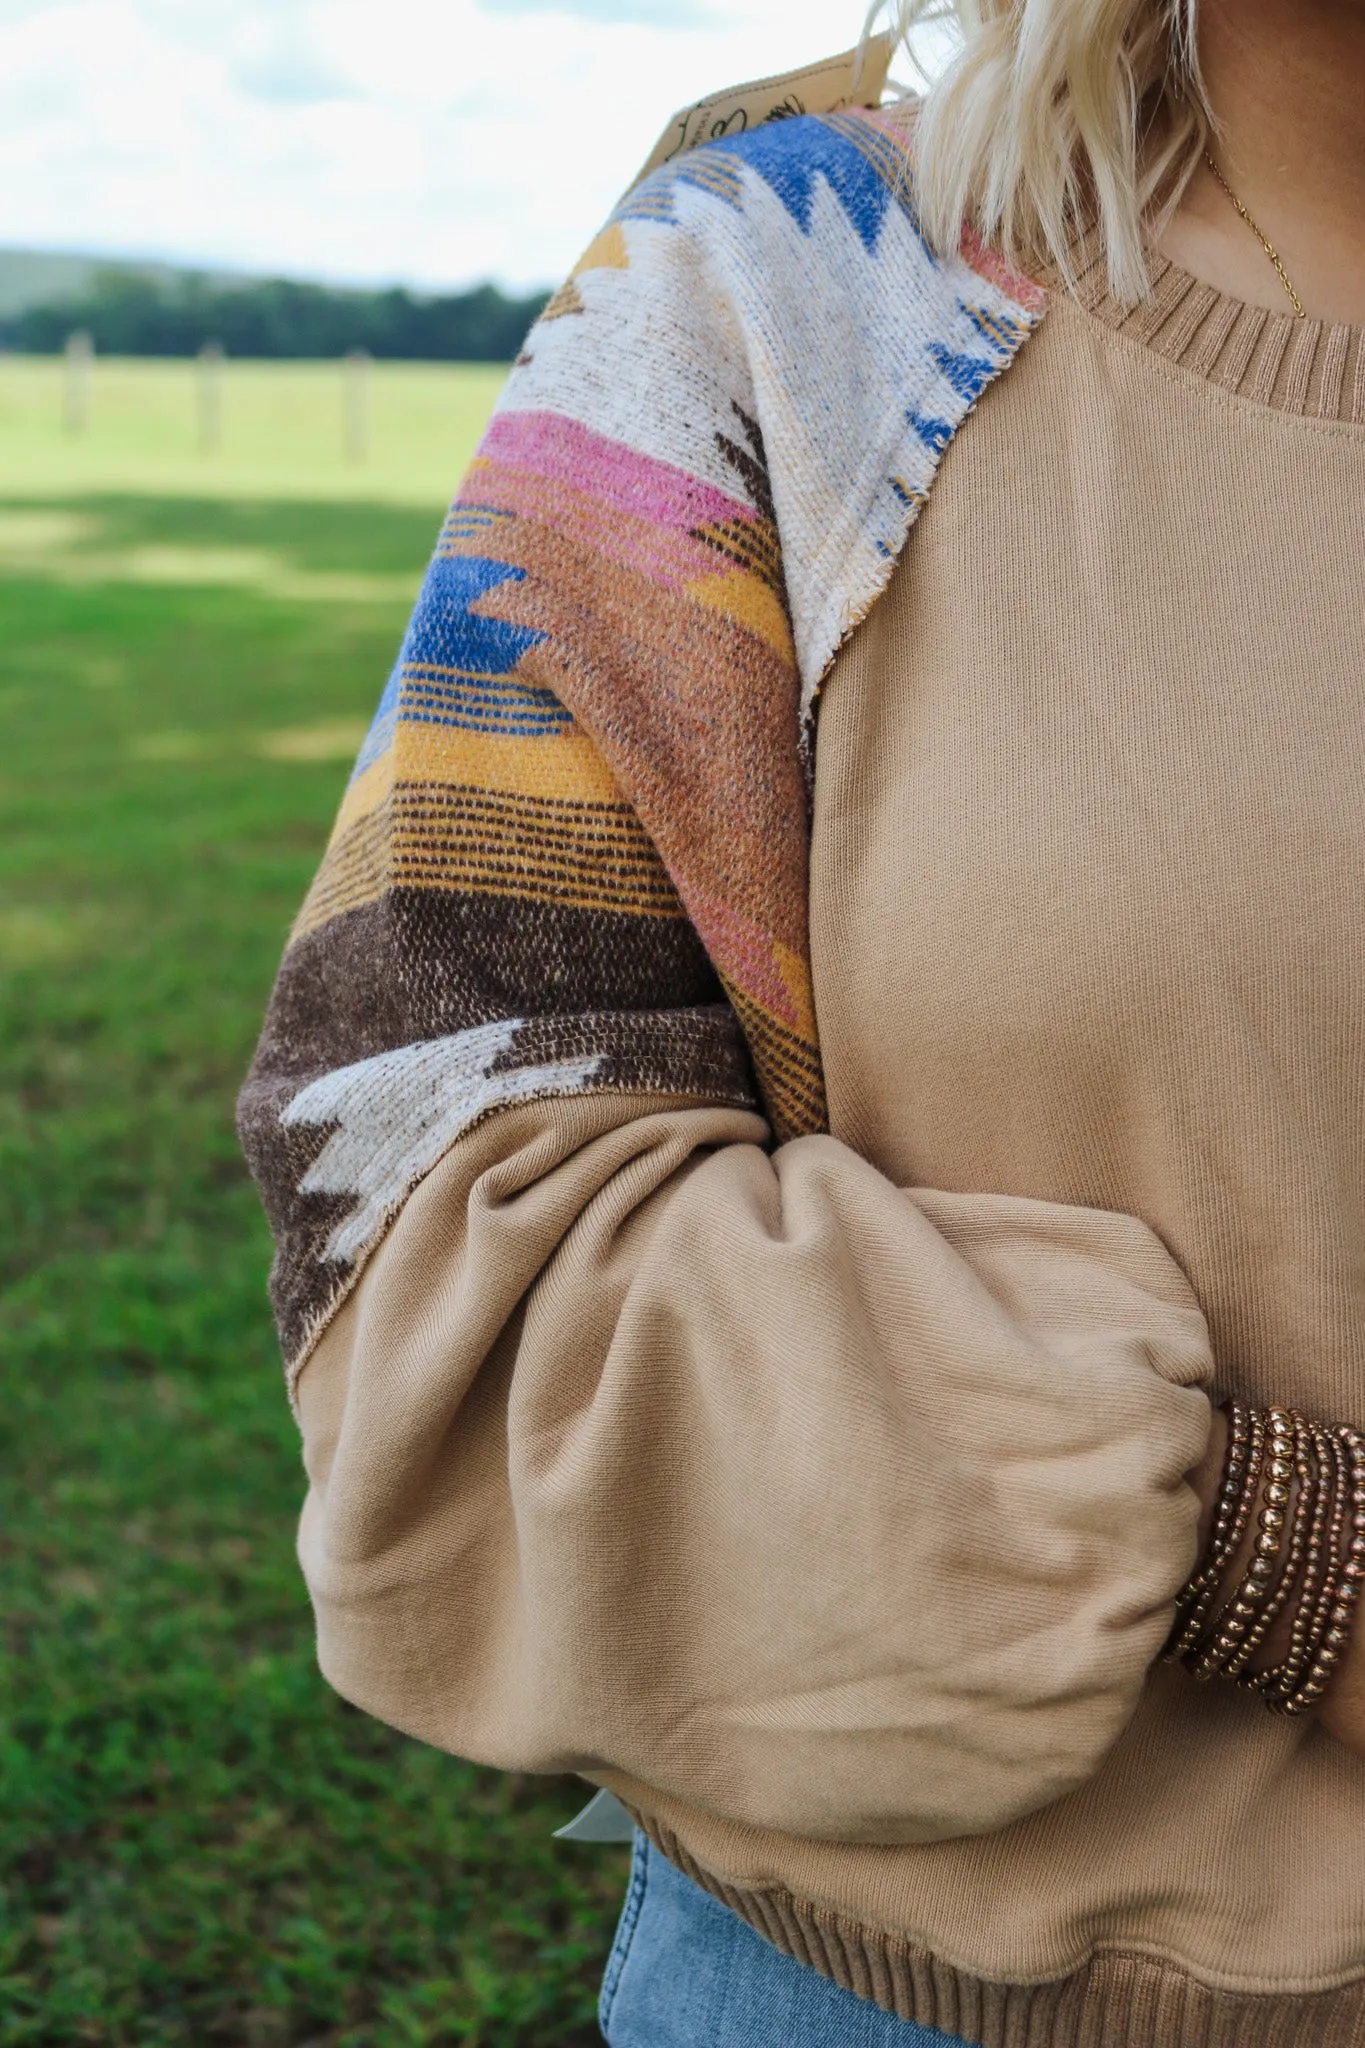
(1271, 251)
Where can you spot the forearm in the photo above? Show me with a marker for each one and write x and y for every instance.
(829, 1507)
(1342, 1710)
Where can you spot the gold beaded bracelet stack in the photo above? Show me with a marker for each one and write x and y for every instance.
(1305, 1487)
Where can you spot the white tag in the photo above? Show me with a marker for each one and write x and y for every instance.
(603, 1819)
(855, 79)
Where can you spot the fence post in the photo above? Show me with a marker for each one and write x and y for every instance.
(210, 394)
(80, 353)
(356, 372)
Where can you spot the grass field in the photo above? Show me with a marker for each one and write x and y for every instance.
(281, 430)
(199, 1844)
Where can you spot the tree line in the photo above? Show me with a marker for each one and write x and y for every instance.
(125, 313)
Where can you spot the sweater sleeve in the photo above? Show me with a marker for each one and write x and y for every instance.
(827, 1506)
(572, 859)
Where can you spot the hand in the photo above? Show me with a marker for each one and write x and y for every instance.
(1342, 1712)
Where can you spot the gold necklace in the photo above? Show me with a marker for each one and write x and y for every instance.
(1271, 251)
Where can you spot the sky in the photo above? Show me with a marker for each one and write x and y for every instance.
(433, 142)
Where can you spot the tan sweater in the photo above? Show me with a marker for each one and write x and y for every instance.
(828, 1504)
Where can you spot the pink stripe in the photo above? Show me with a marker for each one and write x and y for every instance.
(988, 263)
(666, 557)
(564, 451)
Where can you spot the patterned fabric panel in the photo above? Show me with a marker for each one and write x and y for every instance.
(573, 853)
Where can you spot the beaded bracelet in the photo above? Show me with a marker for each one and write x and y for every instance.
(1237, 1627)
(1304, 1485)
(1330, 1634)
(1317, 1564)
(1294, 1448)
(1236, 1492)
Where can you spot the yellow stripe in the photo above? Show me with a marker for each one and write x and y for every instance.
(607, 252)
(748, 602)
(788, 1067)
(587, 856)
(796, 977)
(566, 767)
(365, 795)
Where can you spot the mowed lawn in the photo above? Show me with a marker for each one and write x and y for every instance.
(198, 1842)
(277, 429)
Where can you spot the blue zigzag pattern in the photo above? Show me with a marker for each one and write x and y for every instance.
(968, 375)
(446, 643)
(444, 633)
(862, 168)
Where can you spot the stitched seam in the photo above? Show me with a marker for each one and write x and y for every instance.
(625, 1933)
(1182, 378)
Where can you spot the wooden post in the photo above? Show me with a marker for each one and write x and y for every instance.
(357, 404)
(210, 396)
(80, 354)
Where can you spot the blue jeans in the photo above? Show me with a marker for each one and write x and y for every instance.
(686, 1972)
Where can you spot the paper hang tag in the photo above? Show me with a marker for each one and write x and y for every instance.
(855, 79)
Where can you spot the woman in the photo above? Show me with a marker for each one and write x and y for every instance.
(805, 1256)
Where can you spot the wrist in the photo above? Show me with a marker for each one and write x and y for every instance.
(1274, 1599)
(1207, 1477)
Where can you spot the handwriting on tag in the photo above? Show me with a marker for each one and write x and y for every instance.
(854, 79)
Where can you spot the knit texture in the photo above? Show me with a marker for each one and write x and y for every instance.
(572, 857)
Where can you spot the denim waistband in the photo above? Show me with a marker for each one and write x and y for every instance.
(686, 1972)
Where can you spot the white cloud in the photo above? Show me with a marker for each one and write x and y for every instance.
(279, 60)
(653, 13)
(431, 140)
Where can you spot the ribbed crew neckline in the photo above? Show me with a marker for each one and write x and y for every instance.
(1314, 368)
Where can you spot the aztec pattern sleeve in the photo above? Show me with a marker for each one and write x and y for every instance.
(572, 857)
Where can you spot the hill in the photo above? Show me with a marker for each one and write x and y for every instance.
(35, 277)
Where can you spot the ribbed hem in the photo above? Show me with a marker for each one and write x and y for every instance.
(1310, 367)
(1118, 2001)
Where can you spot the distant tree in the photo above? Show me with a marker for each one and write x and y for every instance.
(126, 313)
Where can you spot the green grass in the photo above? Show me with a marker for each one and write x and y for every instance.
(198, 1842)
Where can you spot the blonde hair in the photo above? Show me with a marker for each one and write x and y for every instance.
(1054, 115)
